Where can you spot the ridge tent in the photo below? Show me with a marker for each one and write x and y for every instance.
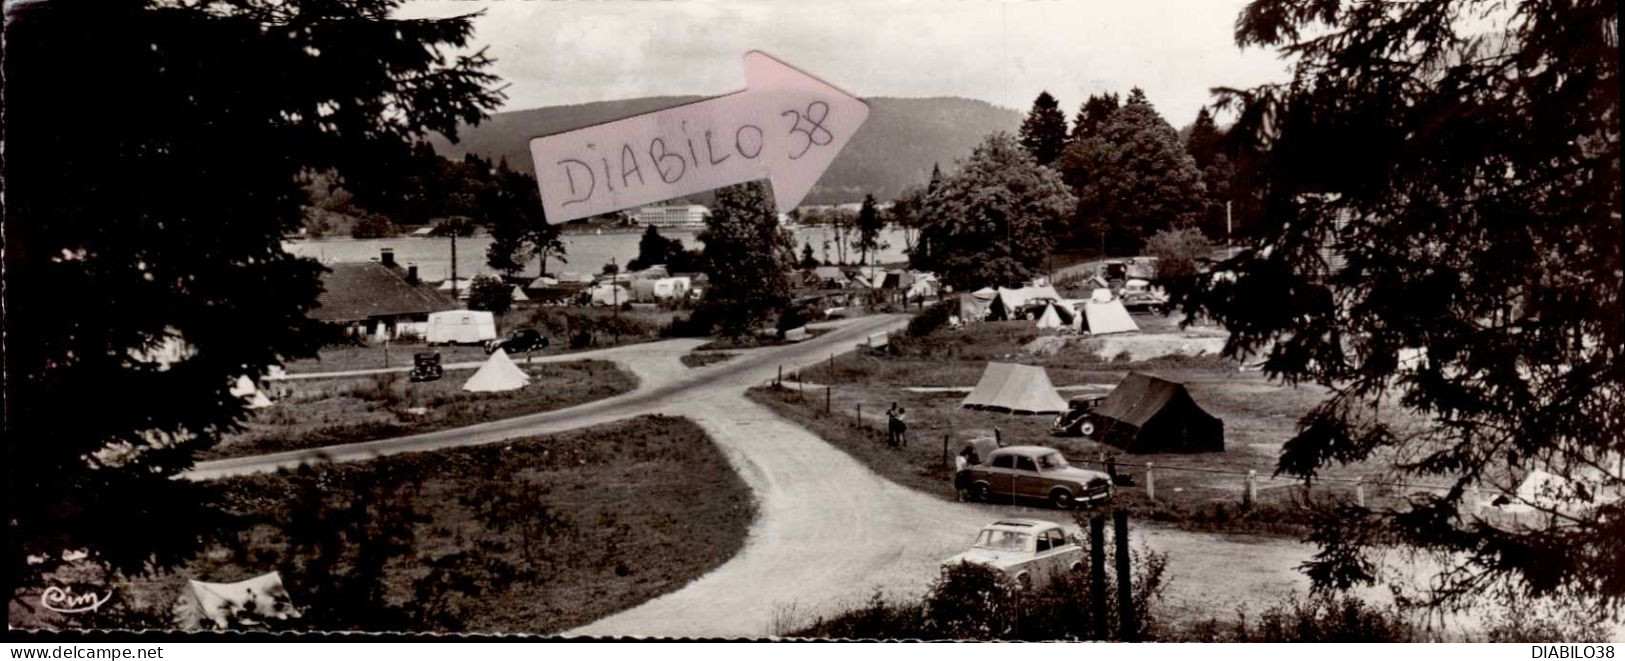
(1013, 388)
(231, 605)
(498, 374)
(1145, 414)
(244, 389)
(519, 294)
(1110, 317)
(972, 308)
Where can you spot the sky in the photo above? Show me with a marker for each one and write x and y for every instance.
(561, 52)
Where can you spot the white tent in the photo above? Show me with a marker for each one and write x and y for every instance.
(543, 281)
(230, 605)
(1012, 388)
(1110, 317)
(609, 294)
(244, 389)
(498, 374)
(1102, 295)
(519, 294)
(1060, 314)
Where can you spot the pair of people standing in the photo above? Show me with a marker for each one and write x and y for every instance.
(896, 427)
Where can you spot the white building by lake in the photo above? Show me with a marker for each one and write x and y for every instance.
(676, 216)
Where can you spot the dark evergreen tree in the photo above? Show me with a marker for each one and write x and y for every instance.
(144, 267)
(809, 260)
(869, 224)
(1133, 179)
(1203, 143)
(1043, 132)
(1446, 244)
(1092, 115)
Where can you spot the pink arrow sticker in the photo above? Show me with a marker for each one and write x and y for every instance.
(786, 126)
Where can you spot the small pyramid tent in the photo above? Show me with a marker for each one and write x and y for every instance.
(498, 374)
(244, 389)
(1059, 314)
(1012, 388)
(250, 603)
(1145, 414)
(1110, 317)
(519, 294)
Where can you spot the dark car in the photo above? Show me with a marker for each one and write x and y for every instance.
(1029, 472)
(426, 367)
(520, 340)
(1079, 417)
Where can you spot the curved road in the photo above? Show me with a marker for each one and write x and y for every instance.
(829, 532)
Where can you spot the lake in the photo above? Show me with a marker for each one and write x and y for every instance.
(587, 253)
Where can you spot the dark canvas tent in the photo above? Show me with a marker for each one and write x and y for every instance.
(1145, 414)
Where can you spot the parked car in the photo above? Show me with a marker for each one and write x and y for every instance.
(1078, 420)
(426, 367)
(1031, 552)
(1028, 472)
(519, 340)
(1139, 294)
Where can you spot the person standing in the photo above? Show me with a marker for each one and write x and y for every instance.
(891, 424)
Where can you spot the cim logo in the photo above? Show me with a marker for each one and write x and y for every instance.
(64, 600)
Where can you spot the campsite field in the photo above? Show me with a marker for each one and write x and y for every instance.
(322, 412)
(930, 376)
(535, 535)
(592, 328)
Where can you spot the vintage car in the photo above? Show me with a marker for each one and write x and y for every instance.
(1027, 472)
(519, 340)
(426, 367)
(1078, 420)
(1029, 551)
(1139, 294)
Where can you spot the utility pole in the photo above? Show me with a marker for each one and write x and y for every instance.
(452, 227)
(1228, 241)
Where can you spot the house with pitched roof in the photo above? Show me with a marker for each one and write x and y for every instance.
(378, 300)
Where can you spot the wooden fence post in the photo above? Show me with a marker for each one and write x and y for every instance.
(1126, 629)
(780, 382)
(1097, 575)
(828, 396)
(944, 451)
(1249, 494)
(1150, 482)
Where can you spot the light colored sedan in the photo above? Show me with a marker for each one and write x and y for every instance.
(1030, 551)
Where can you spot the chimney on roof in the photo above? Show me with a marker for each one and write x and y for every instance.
(387, 256)
(412, 274)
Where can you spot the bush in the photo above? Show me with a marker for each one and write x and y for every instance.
(1177, 251)
(373, 226)
(928, 321)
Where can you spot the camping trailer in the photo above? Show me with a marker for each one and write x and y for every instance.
(461, 327)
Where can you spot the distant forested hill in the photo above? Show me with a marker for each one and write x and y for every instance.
(895, 148)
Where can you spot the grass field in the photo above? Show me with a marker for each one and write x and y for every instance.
(317, 413)
(1259, 416)
(534, 535)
